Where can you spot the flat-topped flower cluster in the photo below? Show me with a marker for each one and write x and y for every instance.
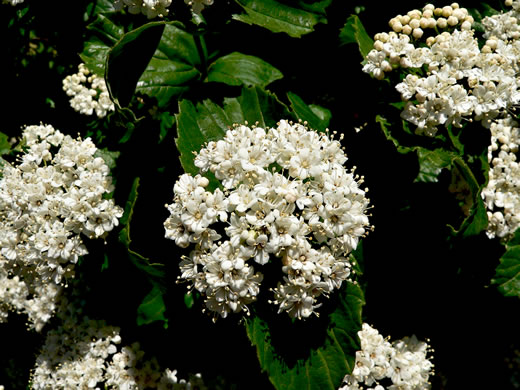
(49, 200)
(88, 93)
(380, 365)
(450, 79)
(286, 198)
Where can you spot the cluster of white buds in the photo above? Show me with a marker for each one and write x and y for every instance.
(48, 200)
(461, 82)
(83, 353)
(502, 193)
(88, 93)
(416, 21)
(286, 198)
(150, 8)
(381, 365)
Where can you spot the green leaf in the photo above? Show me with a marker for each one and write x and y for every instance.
(306, 113)
(104, 6)
(279, 17)
(153, 270)
(327, 359)
(167, 122)
(256, 105)
(454, 135)
(356, 258)
(318, 7)
(431, 163)
(173, 66)
(188, 300)
(321, 112)
(354, 32)
(129, 58)
(108, 156)
(152, 308)
(240, 69)
(5, 146)
(105, 34)
(192, 133)
(124, 234)
(467, 190)
(507, 274)
(515, 240)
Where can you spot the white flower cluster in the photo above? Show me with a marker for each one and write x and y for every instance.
(150, 8)
(502, 193)
(503, 26)
(88, 93)
(83, 353)
(157, 8)
(380, 365)
(54, 194)
(12, 2)
(287, 196)
(37, 300)
(462, 82)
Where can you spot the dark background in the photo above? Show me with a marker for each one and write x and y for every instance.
(416, 282)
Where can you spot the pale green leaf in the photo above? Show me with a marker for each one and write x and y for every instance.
(174, 65)
(105, 34)
(354, 32)
(508, 272)
(240, 69)
(192, 133)
(152, 308)
(308, 114)
(279, 17)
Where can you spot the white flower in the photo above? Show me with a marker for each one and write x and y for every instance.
(83, 353)
(47, 203)
(12, 2)
(462, 80)
(268, 215)
(501, 195)
(404, 363)
(150, 8)
(88, 94)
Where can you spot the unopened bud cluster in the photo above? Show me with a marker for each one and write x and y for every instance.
(287, 199)
(381, 365)
(49, 200)
(462, 82)
(88, 93)
(415, 22)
